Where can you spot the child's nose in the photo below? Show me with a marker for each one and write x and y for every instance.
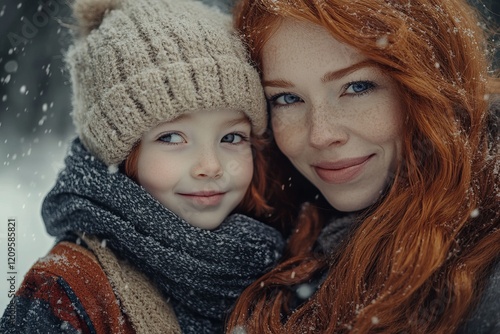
(208, 166)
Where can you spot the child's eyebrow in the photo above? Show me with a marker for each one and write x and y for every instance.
(232, 122)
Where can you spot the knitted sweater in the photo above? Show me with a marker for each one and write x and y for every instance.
(69, 291)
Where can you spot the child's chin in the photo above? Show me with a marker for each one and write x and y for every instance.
(206, 221)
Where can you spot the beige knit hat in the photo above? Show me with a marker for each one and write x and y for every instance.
(137, 63)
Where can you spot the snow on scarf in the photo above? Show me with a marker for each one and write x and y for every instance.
(202, 271)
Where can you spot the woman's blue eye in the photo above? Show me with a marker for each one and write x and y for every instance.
(284, 99)
(172, 138)
(233, 138)
(359, 87)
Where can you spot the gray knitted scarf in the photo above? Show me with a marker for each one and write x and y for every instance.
(203, 272)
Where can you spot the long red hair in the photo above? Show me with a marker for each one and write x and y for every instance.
(254, 202)
(419, 259)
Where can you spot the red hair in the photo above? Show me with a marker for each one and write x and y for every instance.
(254, 202)
(419, 259)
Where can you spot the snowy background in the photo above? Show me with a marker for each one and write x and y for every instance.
(35, 126)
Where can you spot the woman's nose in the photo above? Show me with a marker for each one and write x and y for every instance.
(326, 127)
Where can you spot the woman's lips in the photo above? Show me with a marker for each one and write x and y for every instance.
(341, 171)
(204, 198)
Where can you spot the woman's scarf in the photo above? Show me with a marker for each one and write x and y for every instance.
(202, 271)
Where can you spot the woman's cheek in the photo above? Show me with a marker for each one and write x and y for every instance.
(288, 130)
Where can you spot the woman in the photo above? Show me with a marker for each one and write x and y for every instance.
(154, 211)
(386, 109)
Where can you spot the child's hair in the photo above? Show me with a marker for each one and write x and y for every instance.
(254, 202)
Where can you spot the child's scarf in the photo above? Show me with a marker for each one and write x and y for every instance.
(203, 272)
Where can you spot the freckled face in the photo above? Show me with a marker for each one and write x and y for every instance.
(199, 166)
(335, 114)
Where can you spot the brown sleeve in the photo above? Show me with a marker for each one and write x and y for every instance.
(82, 287)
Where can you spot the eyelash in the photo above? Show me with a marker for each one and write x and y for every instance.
(244, 138)
(372, 85)
(169, 134)
(272, 100)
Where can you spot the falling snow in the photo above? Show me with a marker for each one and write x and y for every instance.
(42, 120)
(112, 169)
(29, 169)
(239, 330)
(11, 66)
(474, 213)
(304, 291)
(382, 42)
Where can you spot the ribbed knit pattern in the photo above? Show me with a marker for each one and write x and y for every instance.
(150, 61)
(146, 309)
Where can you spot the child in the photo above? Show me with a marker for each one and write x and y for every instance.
(162, 93)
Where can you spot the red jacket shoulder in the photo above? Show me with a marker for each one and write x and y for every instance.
(71, 280)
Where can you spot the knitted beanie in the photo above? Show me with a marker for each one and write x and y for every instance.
(137, 63)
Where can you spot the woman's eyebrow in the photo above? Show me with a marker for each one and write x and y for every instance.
(329, 76)
(277, 83)
(339, 74)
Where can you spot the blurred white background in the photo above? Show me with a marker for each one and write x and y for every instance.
(35, 126)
